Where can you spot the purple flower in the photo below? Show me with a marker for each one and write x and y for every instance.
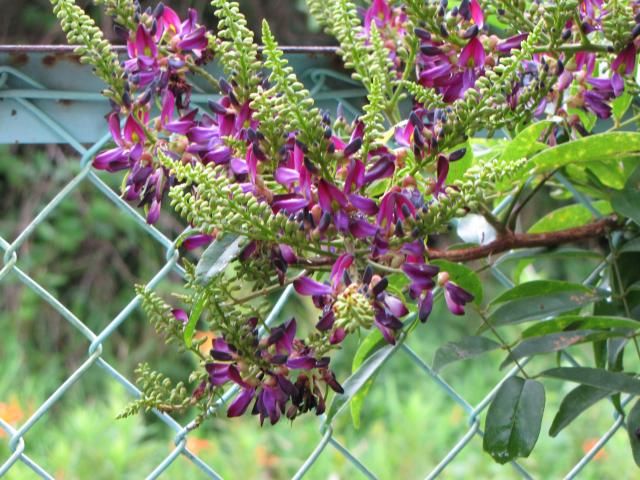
(456, 298)
(129, 145)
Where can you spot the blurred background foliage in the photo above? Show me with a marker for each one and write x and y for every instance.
(89, 255)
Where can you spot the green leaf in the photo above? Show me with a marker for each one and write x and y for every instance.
(194, 316)
(458, 168)
(597, 147)
(577, 401)
(538, 288)
(540, 299)
(357, 380)
(614, 381)
(467, 347)
(631, 246)
(462, 276)
(555, 342)
(588, 119)
(578, 322)
(620, 105)
(526, 142)
(218, 256)
(633, 428)
(514, 419)
(627, 201)
(372, 342)
(570, 216)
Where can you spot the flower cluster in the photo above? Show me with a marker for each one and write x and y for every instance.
(338, 208)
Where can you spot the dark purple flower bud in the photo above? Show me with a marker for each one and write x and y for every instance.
(399, 230)
(326, 321)
(225, 86)
(415, 120)
(379, 287)
(425, 307)
(159, 10)
(352, 147)
(443, 30)
(422, 34)
(471, 32)
(325, 221)
(367, 275)
(457, 155)
(566, 35)
(217, 107)
(323, 362)
(430, 50)
(635, 32)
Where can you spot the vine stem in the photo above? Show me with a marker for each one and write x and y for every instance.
(267, 290)
(505, 345)
(511, 241)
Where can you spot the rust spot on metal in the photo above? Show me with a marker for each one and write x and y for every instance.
(65, 102)
(14, 112)
(49, 60)
(18, 59)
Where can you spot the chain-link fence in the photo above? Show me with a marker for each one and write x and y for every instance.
(46, 97)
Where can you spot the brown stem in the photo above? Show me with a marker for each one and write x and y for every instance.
(510, 241)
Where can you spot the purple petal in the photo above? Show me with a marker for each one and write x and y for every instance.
(180, 315)
(362, 229)
(196, 241)
(286, 176)
(307, 286)
(364, 204)
(241, 402)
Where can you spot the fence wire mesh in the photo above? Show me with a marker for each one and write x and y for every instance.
(26, 86)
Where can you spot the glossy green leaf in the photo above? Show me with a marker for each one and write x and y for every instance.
(538, 299)
(538, 288)
(599, 147)
(467, 347)
(218, 256)
(570, 216)
(372, 342)
(526, 142)
(514, 419)
(357, 380)
(633, 429)
(627, 201)
(555, 342)
(196, 312)
(579, 322)
(463, 276)
(614, 381)
(577, 401)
